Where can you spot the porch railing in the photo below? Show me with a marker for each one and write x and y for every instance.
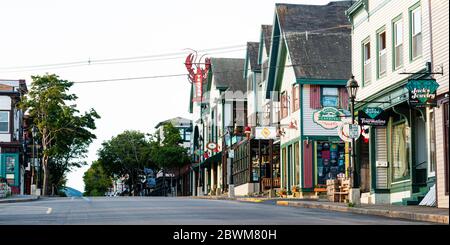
(266, 183)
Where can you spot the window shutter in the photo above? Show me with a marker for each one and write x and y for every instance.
(343, 98)
(315, 96)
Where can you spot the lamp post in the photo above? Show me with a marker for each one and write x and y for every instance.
(352, 89)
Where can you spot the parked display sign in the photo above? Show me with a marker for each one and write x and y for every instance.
(265, 133)
(329, 117)
(372, 116)
(422, 92)
(347, 131)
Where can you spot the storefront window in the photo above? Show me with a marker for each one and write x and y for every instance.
(400, 152)
(330, 160)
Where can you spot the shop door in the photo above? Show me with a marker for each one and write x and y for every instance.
(365, 166)
(420, 153)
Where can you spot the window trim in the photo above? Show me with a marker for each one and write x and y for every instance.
(295, 97)
(410, 36)
(394, 21)
(363, 43)
(9, 122)
(378, 33)
(284, 104)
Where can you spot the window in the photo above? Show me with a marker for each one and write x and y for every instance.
(432, 142)
(284, 105)
(330, 97)
(446, 124)
(400, 152)
(296, 97)
(416, 33)
(187, 136)
(381, 53)
(4, 122)
(367, 66)
(398, 43)
(296, 164)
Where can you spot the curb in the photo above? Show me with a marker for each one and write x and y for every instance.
(435, 218)
(14, 200)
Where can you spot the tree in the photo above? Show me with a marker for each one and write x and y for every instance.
(60, 126)
(96, 181)
(126, 155)
(169, 155)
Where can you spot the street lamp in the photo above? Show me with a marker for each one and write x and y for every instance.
(352, 89)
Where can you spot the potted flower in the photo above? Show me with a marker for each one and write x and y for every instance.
(282, 193)
(295, 191)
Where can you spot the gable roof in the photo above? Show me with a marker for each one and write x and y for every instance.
(323, 56)
(266, 31)
(176, 122)
(229, 72)
(301, 17)
(318, 39)
(252, 56)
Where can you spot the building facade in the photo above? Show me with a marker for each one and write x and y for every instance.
(13, 163)
(439, 116)
(309, 66)
(391, 58)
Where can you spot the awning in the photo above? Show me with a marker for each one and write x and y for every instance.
(215, 158)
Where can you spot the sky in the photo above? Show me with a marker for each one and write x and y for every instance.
(42, 32)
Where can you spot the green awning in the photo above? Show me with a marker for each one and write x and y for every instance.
(215, 158)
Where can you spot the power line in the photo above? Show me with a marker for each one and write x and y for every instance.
(157, 57)
(185, 74)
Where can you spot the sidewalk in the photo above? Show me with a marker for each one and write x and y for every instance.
(418, 213)
(19, 198)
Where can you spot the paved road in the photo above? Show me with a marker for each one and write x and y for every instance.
(172, 211)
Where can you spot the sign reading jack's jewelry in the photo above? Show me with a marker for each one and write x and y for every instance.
(329, 117)
(422, 92)
(372, 116)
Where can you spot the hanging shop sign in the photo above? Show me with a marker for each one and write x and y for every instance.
(198, 75)
(347, 131)
(265, 133)
(211, 146)
(422, 92)
(372, 116)
(329, 117)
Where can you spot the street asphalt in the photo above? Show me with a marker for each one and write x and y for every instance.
(174, 211)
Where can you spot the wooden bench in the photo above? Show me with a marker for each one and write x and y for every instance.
(319, 190)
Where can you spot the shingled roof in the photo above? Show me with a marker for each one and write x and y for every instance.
(318, 39)
(229, 72)
(301, 17)
(252, 55)
(267, 36)
(321, 56)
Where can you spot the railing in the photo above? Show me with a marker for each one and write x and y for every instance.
(266, 183)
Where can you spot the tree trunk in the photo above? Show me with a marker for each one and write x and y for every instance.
(45, 180)
(164, 182)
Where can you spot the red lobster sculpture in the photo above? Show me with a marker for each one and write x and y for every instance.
(197, 76)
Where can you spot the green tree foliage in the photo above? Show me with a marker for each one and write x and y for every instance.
(126, 155)
(96, 181)
(64, 133)
(169, 155)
